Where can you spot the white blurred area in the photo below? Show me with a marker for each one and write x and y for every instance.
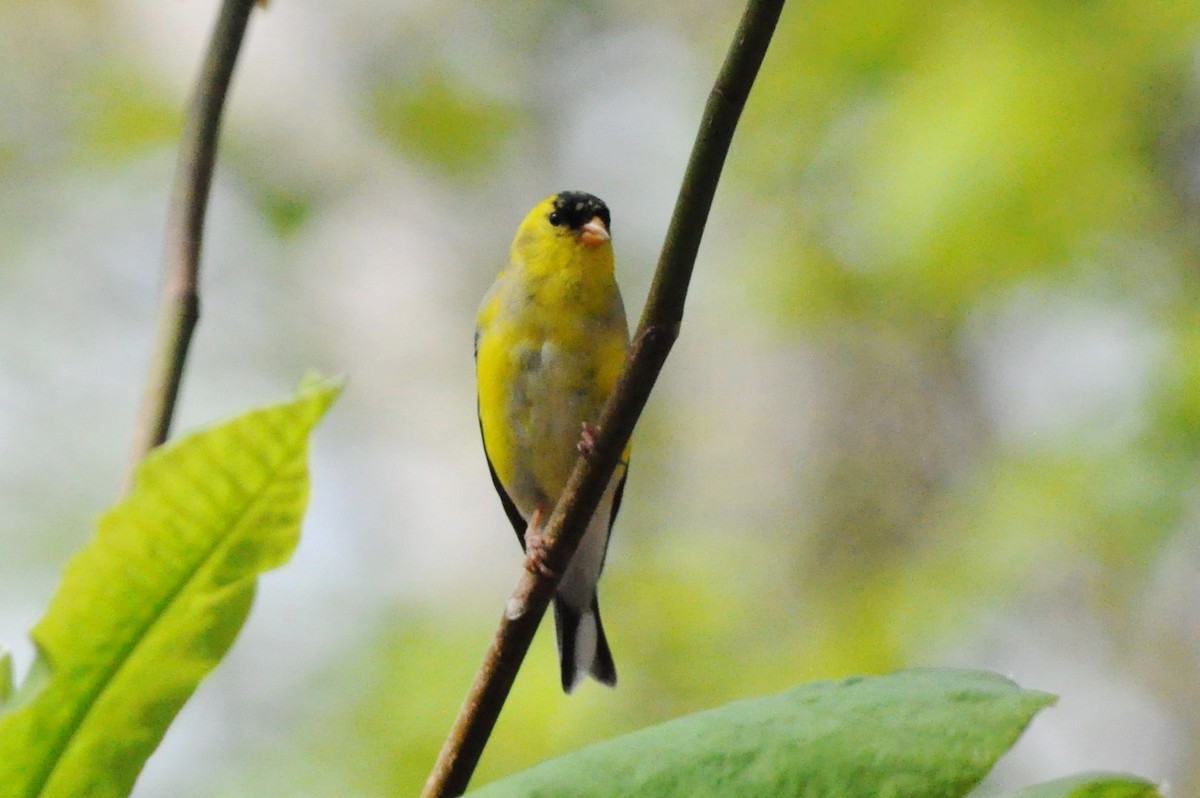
(380, 284)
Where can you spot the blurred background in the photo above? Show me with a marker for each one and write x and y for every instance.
(936, 400)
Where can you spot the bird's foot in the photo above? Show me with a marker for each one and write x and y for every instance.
(587, 439)
(535, 548)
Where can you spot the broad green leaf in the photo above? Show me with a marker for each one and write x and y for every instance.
(911, 734)
(1091, 785)
(154, 602)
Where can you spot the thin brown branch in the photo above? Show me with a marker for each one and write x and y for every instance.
(179, 305)
(655, 336)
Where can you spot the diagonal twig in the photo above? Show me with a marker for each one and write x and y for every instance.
(656, 333)
(179, 305)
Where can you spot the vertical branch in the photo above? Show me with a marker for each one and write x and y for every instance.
(179, 305)
(657, 331)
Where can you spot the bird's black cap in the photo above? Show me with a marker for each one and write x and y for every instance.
(574, 209)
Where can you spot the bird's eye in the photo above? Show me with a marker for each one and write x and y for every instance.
(555, 218)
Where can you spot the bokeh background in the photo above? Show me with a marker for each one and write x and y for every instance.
(936, 400)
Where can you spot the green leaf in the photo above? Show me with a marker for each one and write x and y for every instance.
(154, 602)
(1091, 785)
(911, 734)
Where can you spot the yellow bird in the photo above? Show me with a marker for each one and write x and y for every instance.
(550, 341)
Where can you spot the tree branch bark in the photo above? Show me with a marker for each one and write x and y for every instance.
(656, 334)
(179, 305)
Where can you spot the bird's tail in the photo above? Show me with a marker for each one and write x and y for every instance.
(582, 647)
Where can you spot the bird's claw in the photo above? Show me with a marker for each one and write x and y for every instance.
(587, 439)
(535, 555)
(535, 547)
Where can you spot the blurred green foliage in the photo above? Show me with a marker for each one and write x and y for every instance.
(944, 151)
(122, 113)
(450, 124)
(6, 682)
(286, 212)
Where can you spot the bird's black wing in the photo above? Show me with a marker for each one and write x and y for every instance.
(510, 508)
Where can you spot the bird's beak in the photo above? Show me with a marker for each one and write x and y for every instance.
(594, 233)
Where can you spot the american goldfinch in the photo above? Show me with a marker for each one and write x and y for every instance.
(550, 341)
